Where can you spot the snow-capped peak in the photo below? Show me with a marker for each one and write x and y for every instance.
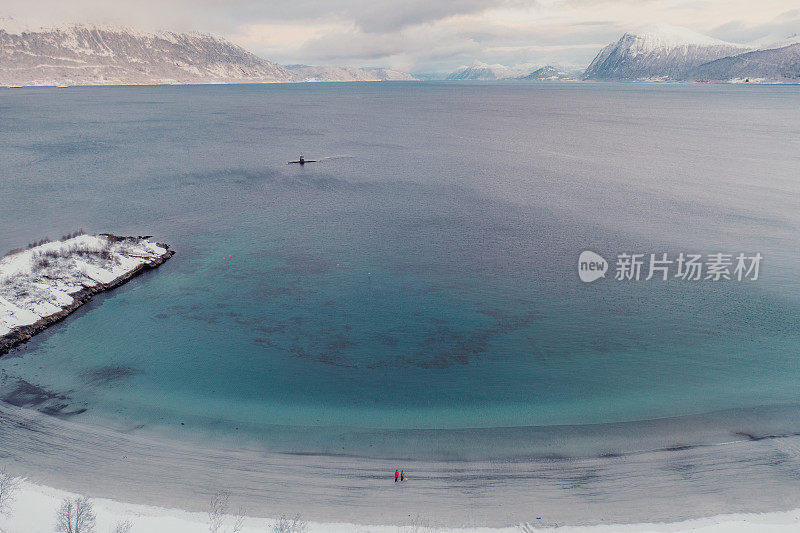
(658, 36)
(658, 52)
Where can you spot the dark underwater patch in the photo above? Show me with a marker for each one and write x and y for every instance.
(443, 346)
(104, 375)
(21, 393)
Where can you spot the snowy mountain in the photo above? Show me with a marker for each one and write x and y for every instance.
(483, 72)
(89, 55)
(92, 55)
(547, 73)
(659, 53)
(770, 65)
(309, 73)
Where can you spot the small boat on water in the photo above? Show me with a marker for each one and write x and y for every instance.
(303, 161)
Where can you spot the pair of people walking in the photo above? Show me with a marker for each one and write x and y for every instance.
(401, 475)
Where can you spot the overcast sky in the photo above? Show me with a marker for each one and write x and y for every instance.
(423, 35)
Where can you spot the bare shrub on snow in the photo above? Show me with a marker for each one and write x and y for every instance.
(76, 515)
(73, 234)
(218, 514)
(40, 262)
(284, 524)
(14, 251)
(9, 485)
(38, 243)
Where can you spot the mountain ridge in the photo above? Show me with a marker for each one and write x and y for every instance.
(657, 55)
(79, 54)
(670, 53)
(758, 66)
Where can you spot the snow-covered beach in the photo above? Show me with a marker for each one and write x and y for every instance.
(44, 283)
(152, 474)
(36, 506)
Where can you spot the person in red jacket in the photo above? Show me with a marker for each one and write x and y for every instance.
(396, 475)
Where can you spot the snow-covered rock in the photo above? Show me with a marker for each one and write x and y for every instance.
(659, 52)
(43, 284)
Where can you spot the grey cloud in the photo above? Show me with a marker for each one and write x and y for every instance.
(595, 23)
(444, 48)
(369, 15)
(738, 31)
(383, 17)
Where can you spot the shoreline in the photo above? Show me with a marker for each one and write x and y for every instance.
(21, 333)
(513, 444)
(752, 476)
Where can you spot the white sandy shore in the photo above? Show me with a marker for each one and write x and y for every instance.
(35, 507)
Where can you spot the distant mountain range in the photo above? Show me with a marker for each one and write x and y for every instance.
(483, 72)
(308, 73)
(91, 55)
(666, 53)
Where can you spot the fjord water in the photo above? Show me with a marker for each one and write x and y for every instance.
(420, 280)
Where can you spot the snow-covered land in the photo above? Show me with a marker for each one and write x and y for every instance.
(44, 283)
(34, 510)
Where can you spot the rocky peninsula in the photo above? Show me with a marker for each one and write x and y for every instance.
(47, 281)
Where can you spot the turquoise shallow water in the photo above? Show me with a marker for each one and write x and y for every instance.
(422, 274)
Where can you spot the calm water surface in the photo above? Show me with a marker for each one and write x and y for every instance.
(422, 274)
